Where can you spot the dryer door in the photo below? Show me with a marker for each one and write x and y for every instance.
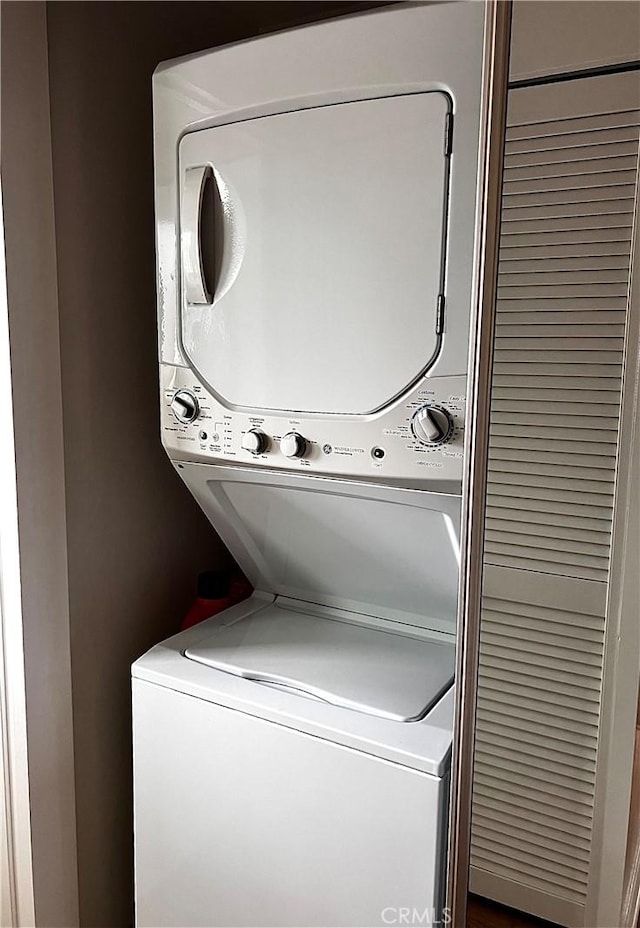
(319, 292)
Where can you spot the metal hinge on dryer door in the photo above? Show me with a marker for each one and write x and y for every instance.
(440, 314)
(448, 134)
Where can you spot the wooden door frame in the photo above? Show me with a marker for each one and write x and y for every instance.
(489, 195)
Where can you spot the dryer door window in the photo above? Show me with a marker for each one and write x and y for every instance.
(322, 281)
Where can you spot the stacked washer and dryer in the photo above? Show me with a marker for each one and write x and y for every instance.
(316, 217)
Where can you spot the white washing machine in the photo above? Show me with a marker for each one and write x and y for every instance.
(316, 197)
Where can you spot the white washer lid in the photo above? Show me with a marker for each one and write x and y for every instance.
(379, 672)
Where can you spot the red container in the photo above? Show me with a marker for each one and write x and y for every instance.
(217, 590)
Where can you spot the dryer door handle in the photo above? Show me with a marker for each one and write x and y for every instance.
(196, 221)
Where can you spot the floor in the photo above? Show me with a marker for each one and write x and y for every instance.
(483, 914)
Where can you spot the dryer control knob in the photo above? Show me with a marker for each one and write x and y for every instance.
(431, 425)
(293, 445)
(255, 441)
(185, 406)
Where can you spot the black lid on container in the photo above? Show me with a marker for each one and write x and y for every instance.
(213, 584)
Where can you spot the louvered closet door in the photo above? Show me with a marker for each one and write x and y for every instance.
(568, 206)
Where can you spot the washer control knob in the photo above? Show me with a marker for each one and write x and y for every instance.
(185, 406)
(255, 441)
(293, 445)
(431, 425)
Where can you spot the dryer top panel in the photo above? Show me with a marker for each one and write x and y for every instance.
(327, 259)
(382, 673)
(354, 90)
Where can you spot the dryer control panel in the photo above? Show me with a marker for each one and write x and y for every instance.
(418, 438)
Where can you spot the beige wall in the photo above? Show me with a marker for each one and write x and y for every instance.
(560, 36)
(135, 539)
(35, 373)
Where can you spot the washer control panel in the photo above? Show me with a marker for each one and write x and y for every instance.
(417, 438)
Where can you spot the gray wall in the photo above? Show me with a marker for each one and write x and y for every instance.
(44, 834)
(135, 539)
(565, 36)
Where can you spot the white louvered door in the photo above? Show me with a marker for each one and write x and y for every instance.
(569, 194)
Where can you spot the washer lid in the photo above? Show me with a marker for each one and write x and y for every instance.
(379, 672)
(384, 552)
(318, 290)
